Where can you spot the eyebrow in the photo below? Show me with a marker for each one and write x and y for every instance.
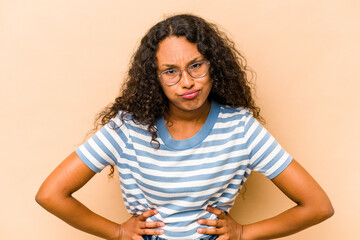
(176, 66)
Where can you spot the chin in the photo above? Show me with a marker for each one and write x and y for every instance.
(193, 105)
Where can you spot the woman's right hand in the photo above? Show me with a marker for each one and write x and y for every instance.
(136, 227)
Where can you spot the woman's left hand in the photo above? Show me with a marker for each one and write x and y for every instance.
(225, 226)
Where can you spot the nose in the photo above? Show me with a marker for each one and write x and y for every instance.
(186, 80)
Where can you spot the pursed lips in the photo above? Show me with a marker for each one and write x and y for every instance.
(190, 94)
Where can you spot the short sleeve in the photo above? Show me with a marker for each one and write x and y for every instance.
(265, 153)
(104, 147)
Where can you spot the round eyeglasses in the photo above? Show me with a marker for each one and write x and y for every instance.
(196, 70)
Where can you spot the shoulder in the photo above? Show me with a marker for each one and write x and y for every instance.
(127, 123)
(233, 119)
(122, 118)
(228, 113)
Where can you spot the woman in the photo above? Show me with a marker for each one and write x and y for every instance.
(184, 137)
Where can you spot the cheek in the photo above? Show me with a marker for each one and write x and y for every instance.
(169, 91)
(208, 84)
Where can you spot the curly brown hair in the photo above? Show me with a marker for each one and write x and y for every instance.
(141, 94)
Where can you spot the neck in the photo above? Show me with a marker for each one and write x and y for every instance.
(178, 115)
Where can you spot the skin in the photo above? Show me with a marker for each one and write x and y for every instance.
(185, 116)
(55, 195)
(189, 115)
(312, 206)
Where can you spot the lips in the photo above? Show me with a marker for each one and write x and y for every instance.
(190, 94)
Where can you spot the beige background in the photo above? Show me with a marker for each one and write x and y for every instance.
(62, 61)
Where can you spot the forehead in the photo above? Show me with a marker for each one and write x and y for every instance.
(176, 50)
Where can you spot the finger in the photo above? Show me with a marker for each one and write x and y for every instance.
(147, 214)
(211, 231)
(151, 224)
(148, 231)
(216, 211)
(137, 237)
(210, 222)
(222, 237)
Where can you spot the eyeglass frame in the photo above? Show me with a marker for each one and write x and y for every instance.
(187, 70)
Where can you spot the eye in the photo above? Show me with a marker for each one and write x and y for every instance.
(170, 72)
(196, 65)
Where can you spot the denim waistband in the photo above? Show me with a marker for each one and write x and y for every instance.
(153, 237)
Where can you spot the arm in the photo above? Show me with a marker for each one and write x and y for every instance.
(55, 195)
(313, 206)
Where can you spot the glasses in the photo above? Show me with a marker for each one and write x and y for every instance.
(196, 70)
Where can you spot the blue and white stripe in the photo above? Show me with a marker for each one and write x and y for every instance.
(181, 178)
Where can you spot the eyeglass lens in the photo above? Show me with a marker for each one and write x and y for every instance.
(195, 70)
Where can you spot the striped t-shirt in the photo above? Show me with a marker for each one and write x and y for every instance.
(183, 177)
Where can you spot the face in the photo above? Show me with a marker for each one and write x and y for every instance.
(189, 93)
